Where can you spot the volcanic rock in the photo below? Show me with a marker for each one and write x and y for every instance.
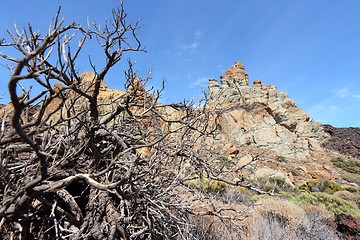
(262, 116)
(106, 97)
(343, 140)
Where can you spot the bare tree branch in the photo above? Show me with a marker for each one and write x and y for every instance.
(77, 162)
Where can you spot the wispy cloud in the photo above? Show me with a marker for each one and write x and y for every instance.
(338, 109)
(347, 92)
(186, 48)
(200, 82)
(324, 111)
(198, 34)
(190, 46)
(357, 96)
(325, 107)
(331, 108)
(342, 92)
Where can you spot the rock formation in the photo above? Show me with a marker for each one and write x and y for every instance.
(235, 88)
(106, 97)
(262, 116)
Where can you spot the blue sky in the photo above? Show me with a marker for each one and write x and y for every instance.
(309, 49)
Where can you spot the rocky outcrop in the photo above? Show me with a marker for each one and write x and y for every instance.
(106, 97)
(261, 116)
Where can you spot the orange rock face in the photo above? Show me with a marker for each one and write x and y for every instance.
(235, 74)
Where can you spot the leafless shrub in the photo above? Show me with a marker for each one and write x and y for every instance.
(317, 225)
(77, 166)
(288, 221)
(211, 228)
(235, 196)
(271, 227)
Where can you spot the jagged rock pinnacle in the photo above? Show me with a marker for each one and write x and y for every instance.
(235, 88)
(235, 76)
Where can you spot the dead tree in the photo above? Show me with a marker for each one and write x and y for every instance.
(76, 166)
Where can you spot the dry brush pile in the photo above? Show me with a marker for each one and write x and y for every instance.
(74, 166)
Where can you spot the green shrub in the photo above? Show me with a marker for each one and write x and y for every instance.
(244, 190)
(321, 185)
(326, 201)
(208, 185)
(189, 171)
(352, 189)
(351, 166)
(258, 197)
(274, 184)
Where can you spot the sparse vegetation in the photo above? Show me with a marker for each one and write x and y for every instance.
(208, 185)
(327, 201)
(211, 228)
(239, 195)
(272, 226)
(352, 189)
(317, 225)
(273, 184)
(351, 166)
(282, 219)
(321, 185)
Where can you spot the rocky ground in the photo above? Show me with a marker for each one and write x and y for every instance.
(343, 140)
